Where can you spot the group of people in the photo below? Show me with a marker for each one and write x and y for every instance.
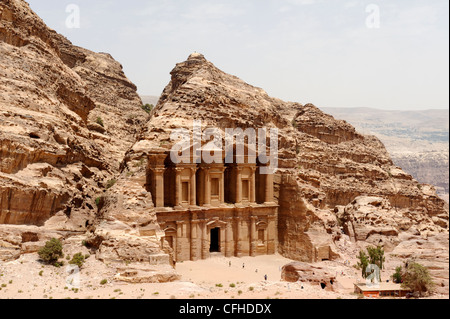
(243, 267)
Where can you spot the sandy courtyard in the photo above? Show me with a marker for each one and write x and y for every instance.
(215, 278)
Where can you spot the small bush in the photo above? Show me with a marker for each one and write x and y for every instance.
(51, 252)
(397, 276)
(111, 183)
(103, 282)
(100, 121)
(417, 278)
(232, 285)
(99, 202)
(147, 107)
(77, 259)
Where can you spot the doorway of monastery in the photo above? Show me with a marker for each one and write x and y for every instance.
(215, 240)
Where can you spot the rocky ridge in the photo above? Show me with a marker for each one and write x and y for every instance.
(67, 118)
(416, 140)
(64, 174)
(324, 165)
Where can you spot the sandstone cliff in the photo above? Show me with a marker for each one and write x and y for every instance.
(55, 156)
(324, 166)
(67, 117)
(73, 159)
(417, 140)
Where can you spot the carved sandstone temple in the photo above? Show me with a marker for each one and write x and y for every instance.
(218, 208)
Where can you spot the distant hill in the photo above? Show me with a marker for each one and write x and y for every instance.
(418, 141)
(149, 99)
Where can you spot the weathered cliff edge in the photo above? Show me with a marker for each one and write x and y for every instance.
(63, 174)
(337, 190)
(67, 118)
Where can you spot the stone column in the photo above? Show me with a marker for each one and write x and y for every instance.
(238, 249)
(193, 200)
(229, 239)
(175, 245)
(194, 240)
(271, 235)
(269, 189)
(253, 186)
(205, 247)
(179, 248)
(177, 187)
(238, 185)
(159, 187)
(253, 236)
(222, 187)
(207, 193)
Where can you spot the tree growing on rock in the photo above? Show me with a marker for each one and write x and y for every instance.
(397, 276)
(417, 278)
(374, 256)
(77, 259)
(51, 252)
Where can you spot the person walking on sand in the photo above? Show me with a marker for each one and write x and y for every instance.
(265, 277)
(243, 266)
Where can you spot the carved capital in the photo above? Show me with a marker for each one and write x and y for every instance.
(158, 169)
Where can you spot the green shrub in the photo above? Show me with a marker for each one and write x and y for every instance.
(100, 121)
(51, 252)
(77, 259)
(417, 278)
(111, 183)
(147, 107)
(397, 276)
(374, 256)
(103, 282)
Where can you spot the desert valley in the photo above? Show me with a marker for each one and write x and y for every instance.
(85, 166)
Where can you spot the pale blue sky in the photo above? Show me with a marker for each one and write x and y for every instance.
(307, 51)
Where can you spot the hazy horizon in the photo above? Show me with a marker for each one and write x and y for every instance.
(336, 107)
(390, 55)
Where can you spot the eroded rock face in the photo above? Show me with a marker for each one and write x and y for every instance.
(430, 251)
(305, 273)
(53, 155)
(332, 181)
(374, 220)
(71, 125)
(67, 118)
(323, 163)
